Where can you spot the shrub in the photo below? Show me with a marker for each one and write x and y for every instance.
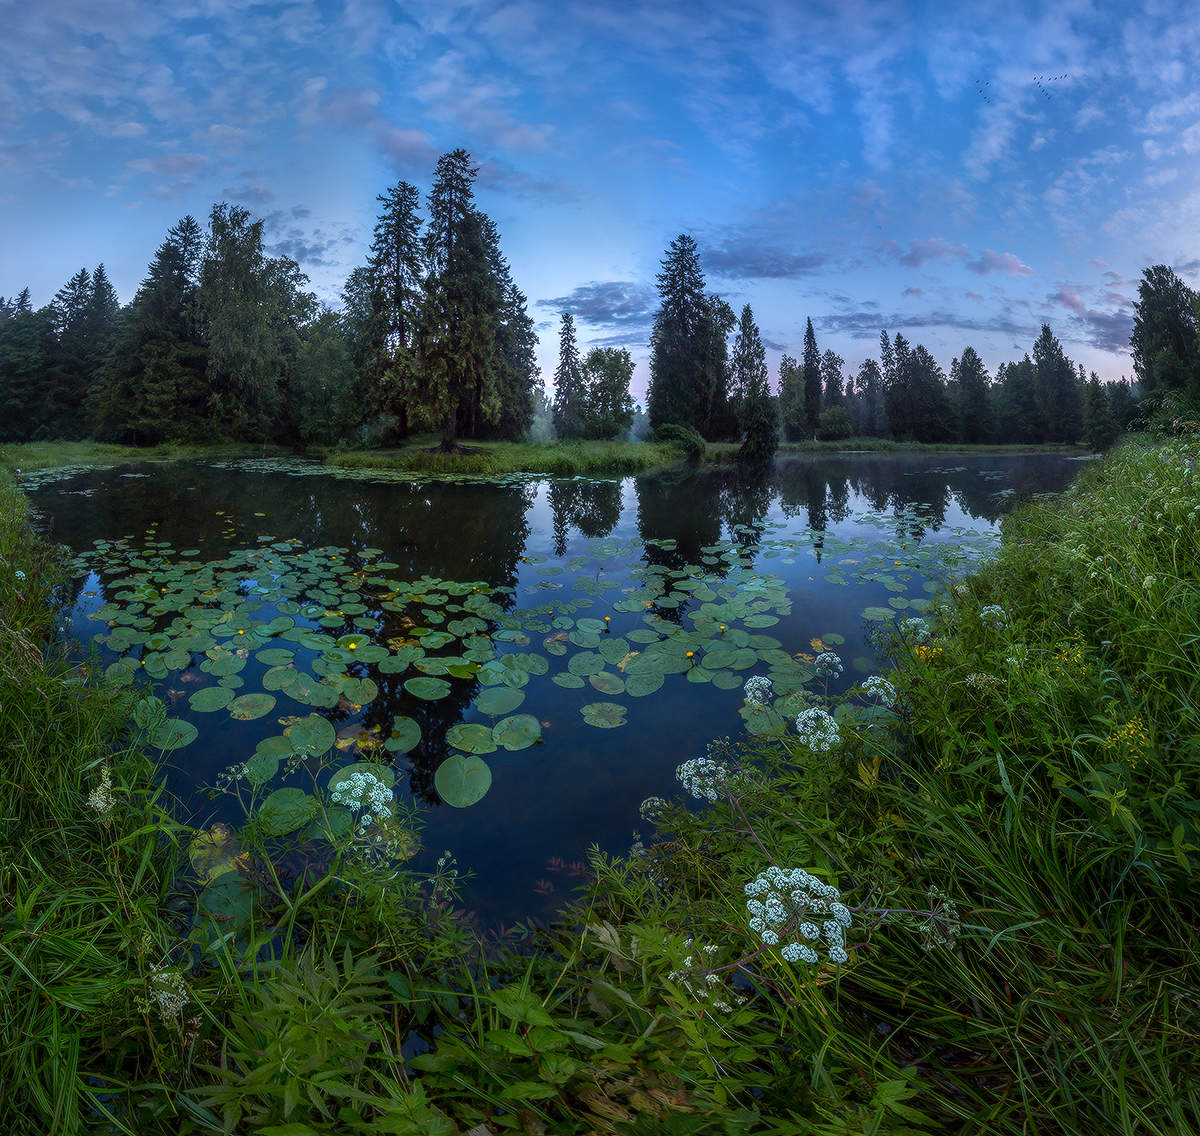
(686, 437)
(834, 425)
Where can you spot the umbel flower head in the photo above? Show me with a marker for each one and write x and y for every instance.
(878, 687)
(652, 809)
(817, 729)
(703, 777)
(828, 664)
(363, 790)
(758, 690)
(994, 616)
(786, 905)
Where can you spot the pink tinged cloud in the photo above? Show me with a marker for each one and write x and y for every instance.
(1071, 300)
(991, 261)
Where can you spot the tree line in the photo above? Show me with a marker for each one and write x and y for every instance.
(223, 341)
(697, 381)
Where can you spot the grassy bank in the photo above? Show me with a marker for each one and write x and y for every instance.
(29, 456)
(421, 455)
(1011, 822)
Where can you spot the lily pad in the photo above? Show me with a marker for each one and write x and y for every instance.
(247, 707)
(462, 781)
(312, 735)
(286, 810)
(471, 737)
(647, 682)
(607, 683)
(495, 700)
(605, 715)
(210, 698)
(567, 681)
(216, 852)
(405, 734)
(430, 689)
(878, 614)
(517, 732)
(174, 733)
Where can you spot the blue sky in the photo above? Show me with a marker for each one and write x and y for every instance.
(909, 166)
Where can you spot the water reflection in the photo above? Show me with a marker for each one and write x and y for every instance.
(583, 785)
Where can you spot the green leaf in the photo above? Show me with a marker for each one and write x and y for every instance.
(604, 715)
(607, 683)
(210, 698)
(405, 734)
(518, 732)
(430, 689)
(312, 735)
(471, 737)
(286, 810)
(496, 700)
(639, 685)
(247, 707)
(174, 733)
(462, 781)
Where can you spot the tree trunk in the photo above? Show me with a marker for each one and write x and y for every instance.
(450, 434)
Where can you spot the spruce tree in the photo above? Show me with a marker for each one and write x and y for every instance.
(1166, 334)
(390, 310)
(1059, 399)
(974, 411)
(570, 393)
(812, 381)
(515, 345)
(756, 408)
(458, 375)
(27, 346)
(1099, 427)
(676, 360)
(870, 394)
(152, 387)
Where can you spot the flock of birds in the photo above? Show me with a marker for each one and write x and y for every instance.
(1039, 81)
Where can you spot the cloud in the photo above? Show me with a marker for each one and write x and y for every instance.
(754, 257)
(249, 194)
(912, 290)
(1007, 262)
(170, 165)
(1109, 331)
(1068, 299)
(935, 248)
(866, 324)
(772, 345)
(612, 303)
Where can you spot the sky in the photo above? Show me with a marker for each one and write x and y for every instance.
(958, 172)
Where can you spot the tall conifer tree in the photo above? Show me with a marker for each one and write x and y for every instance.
(812, 381)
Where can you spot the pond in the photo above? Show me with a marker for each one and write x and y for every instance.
(572, 639)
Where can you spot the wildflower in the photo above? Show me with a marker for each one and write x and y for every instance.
(781, 905)
(927, 654)
(703, 778)
(1147, 583)
(817, 730)
(652, 809)
(168, 992)
(101, 798)
(878, 687)
(758, 690)
(942, 925)
(915, 629)
(982, 683)
(828, 663)
(19, 574)
(994, 616)
(1131, 739)
(363, 790)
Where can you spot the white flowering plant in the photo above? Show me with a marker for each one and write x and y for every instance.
(792, 909)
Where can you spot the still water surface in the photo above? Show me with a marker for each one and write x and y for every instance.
(827, 536)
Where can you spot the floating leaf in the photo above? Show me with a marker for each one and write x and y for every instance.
(605, 715)
(518, 732)
(312, 735)
(210, 698)
(247, 707)
(878, 614)
(496, 700)
(607, 683)
(405, 734)
(471, 737)
(461, 781)
(216, 852)
(228, 900)
(174, 733)
(430, 689)
(567, 681)
(286, 810)
(639, 685)
(586, 663)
